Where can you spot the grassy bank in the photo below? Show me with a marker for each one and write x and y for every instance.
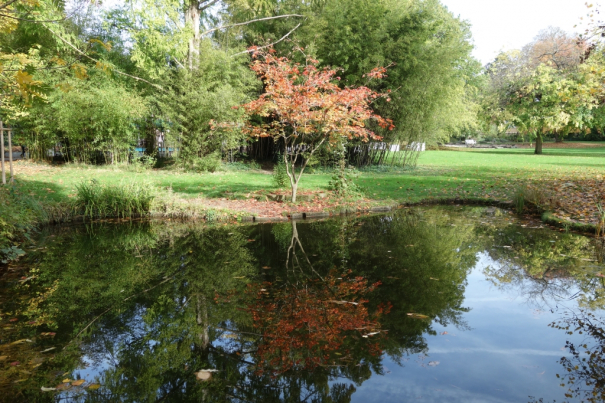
(440, 174)
(43, 191)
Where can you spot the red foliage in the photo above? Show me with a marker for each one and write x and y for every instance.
(313, 325)
(303, 103)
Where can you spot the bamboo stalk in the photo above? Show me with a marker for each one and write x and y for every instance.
(2, 152)
(10, 155)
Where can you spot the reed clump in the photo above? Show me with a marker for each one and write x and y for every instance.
(533, 197)
(96, 200)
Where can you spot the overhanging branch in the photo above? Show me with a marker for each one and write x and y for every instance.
(251, 21)
(98, 61)
(269, 45)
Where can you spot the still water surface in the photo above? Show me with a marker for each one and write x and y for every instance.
(426, 304)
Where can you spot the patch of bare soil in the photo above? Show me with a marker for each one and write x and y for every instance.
(27, 168)
(282, 209)
(562, 145)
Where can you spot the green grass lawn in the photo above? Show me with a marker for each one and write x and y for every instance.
(485, 173)
(59, 183)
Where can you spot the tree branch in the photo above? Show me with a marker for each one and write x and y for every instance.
(251, 21)
(202, 8)
(97, 61)
(8, 3)
(26, 20)
(269, 45)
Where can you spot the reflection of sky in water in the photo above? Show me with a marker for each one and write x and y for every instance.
(509, 354)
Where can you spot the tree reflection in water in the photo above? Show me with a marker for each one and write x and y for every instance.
(277, 312)
(311, 321)
(585, 368)
(549, 270)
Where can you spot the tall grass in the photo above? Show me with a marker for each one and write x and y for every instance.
(532, 196)
(19, 215)
(96, 200)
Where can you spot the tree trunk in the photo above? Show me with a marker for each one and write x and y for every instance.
(202, 321)
(538, 144)
(558, 137)
(192, 18)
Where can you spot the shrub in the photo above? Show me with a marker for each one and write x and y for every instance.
(342, 181)
(19, 214)
(208, 163)
(280, 176)
(143, 163)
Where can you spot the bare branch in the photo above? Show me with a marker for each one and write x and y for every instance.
(213, 2)
(269, 45)
(177, 62)
(26, 20)
(97, 61)
(251, 21)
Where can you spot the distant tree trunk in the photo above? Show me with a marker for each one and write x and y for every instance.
(202, 322)
(538, 144)
(558, 137)
(192, 18)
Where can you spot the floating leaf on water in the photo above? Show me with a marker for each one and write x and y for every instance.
(94, 386)
(78, 382)
(43, 389)
(36, 360)
(48, 349)
(417, 316)
(229, 336)
(15, 363)
(63, 386)
(266, 267)
(369, 334)
(13, 320)
(3, 357)
(204, 375)
(66, 380)
(444, 333)
(240, 277)
(433, 363)
(436, 279)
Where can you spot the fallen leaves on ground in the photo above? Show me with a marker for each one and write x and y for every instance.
(576, 200)
(281, 209)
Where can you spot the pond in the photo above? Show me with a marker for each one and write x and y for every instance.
(457, 304)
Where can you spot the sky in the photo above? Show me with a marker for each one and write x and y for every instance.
(509, 24)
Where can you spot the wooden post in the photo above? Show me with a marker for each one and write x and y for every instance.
(2, 152)
(10, 154)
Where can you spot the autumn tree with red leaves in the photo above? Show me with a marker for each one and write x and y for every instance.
(304, 107)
